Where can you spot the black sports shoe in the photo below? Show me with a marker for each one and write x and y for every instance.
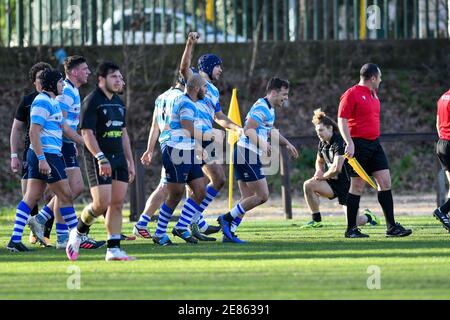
(398, 231)
(355, 233)
(195, 231)
(89, 243)
(185, 235)
(212, 229)
(16, 247)
(163, 241)
(442, 218)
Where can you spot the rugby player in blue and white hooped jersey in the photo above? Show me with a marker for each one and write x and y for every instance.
(45, 162)
(77, 73)
(159, 131)
(209, 67)
(181, 164)
(247, 165)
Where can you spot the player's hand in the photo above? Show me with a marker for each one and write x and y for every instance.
(15, 165)
(131, 173)
(292, 151)
(318, 175)
(266, 149)
(217, 135)
(44, 168)
(350, 149)
(146, 158)
(240, 131)
(104, 168)
(193, 37)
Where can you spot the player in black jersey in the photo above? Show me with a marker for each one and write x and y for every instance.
(108, 160)
(334, 180)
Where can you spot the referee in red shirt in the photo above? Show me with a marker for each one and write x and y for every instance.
(443, 152)
(359, 124)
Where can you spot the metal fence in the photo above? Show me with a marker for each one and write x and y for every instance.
(119, 22)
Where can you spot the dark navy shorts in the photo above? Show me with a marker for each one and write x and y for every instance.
(25, 165)
(181, 166)
(56, 163)
(70, 155)
(247, 165)
(209, 147)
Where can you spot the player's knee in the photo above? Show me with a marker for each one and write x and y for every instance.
(218, 181)
(307, 185)
(263, 197)
(77, 191)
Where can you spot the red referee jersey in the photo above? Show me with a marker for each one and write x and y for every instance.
(443, 112)
(361, 107)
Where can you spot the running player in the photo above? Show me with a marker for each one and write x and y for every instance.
(209, 66)
(248, 150)
(77, 73)
(443, 152)
(181, 164)
(359, 125)
(45, 162)
(159, 131)
(335, 181)
(22, 123)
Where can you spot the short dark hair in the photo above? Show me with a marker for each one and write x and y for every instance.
(105, 68)
(369, 70)
(40, 66)
(276, 84)
(73, 62)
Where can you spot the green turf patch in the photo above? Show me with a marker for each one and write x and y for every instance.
(279, 262)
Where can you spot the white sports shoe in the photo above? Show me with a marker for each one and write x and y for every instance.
(73, 245)
(142, 232)
(61, 245)
(37, 229)
(116, 254)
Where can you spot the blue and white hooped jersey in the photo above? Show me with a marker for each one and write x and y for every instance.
(163, 108)
(46, 112)
(183, 109)
(71, 103)
(205, 114)
(264, 115)
(214, 95)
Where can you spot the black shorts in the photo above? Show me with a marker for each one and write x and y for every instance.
(119, 169)
(370, 155)
(443, 153)
(340, 189)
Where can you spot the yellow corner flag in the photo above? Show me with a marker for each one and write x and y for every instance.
(235, 116)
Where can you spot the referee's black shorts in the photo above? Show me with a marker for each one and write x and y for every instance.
(443, 153)
(370, 155)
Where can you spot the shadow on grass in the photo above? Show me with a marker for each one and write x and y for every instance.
(255, 250)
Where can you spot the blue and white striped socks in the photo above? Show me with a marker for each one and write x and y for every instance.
(22, 214)
(69, 217)
(237, 210)
(235, 224)
(44, 215)
(211, 194)
(62, 232)
(144, 220)
(165, 213)
(190, 209)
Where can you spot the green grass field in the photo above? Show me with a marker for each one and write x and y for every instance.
(279, 262)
